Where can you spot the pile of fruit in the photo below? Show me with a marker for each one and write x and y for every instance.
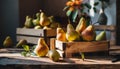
(41, 21)
(82, 32)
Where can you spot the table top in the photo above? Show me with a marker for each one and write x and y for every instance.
(13, 57)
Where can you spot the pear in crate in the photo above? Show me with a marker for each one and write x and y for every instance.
(81, 25)
(61, 35)
(44, 20)
(21, 42)
(89, 33)
(71, 34)
(36, 21)
(8, 42)
(101, 36)
(42, 48)
(28, 22)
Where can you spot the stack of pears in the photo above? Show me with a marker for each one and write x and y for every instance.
(41, 49)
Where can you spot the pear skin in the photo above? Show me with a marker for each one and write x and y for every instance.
(21, 42)
(71, 34)
(61, 35)
(41, 49)
(8, 42)
(44, 20)
(81, 25)
(101, 36)
(89, 33)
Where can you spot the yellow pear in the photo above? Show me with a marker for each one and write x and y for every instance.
(81, 25)
(8, 42)
(42, 48)
(89, 33)
(44, 20)
(71, 34)
(61, 35)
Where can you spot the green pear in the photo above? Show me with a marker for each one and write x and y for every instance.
(8, 42)
(71, 34)
(89, 33)
(44, 20)
(21, 42)
(38, 27)
(54, 55)
(101, 36)
(36, 21)
(28, 22)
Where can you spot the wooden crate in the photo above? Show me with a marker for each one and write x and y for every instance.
(32, 35)
(66, 49)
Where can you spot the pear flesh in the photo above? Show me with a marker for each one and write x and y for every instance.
(101, 36)
(42, 48)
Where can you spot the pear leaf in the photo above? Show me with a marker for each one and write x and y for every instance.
(68, 13)
(26, 47)
(74, 15)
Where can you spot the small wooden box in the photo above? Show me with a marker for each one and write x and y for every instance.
(32, 35)
(67, 48)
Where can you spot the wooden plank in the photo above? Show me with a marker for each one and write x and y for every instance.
(105, 27)
(36, 32)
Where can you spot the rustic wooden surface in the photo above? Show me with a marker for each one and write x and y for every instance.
(12, 59)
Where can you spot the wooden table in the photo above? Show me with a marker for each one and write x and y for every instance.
(12, 59)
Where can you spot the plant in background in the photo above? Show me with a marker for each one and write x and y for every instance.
(75, 8)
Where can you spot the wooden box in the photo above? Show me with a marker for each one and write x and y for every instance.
(32, 35)
(66, 49)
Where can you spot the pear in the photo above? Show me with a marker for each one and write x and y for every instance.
(8, 42)
(81, 25)
(44, 20)
(38, 27)
(42, 48)
(89, 33)
(54, 55)
(21, 42)
(28, 22)
(61, 35)
(101, 36)
(71, 34)
(36, 21)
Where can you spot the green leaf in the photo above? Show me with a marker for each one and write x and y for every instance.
(96, 3)
(65, 8)
(74, 15)
(68, 13)
(26, 47)
(24, 53)
(88, 5)
(95, 10)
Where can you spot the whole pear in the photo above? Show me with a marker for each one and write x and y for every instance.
(89, 33)
(71, 34)
(21, 42)
(8, 42)
(28, 22)
(36, 21)
(54, 55)
(42, 48)
(44, 20)
(61, 35)
(101, 36)
(81, 25)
